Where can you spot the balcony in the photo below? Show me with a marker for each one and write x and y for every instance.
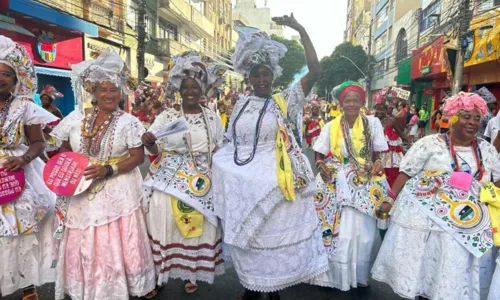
(105, 17)
(171, 47)
(183, 12)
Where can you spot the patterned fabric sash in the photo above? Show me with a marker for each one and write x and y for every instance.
(459, 213)
(328, 208)
(174, 174)
(12, 133)
(292, 170)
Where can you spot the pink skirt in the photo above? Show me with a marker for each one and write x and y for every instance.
(111, 261)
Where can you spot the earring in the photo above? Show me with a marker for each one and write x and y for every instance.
(94, 102)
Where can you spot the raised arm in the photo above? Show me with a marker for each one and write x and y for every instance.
(313, 64)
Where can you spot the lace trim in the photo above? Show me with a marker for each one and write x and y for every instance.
(279, 287)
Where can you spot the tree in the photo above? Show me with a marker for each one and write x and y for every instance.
(337, 69)
(293, 61)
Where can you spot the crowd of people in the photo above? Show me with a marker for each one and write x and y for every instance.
(389, 203)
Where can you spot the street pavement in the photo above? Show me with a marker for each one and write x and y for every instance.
(227, 287)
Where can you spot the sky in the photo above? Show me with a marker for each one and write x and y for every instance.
(324, 20)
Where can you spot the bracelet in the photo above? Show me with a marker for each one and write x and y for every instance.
(377, 160)
(115, 169)
(389, 200)
(148, 145)
(391, 194)
(109, 171)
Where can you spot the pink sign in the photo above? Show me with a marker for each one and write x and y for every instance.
(11, 185)
(63, 174)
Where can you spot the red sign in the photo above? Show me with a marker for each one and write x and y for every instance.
(63, 174)
(429, 60)
(42, 47)
(11, 185)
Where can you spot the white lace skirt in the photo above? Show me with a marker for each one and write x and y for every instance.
(111, 261)
(28, 259)
(494, 293)
(193, 259)
(359, 241)
(431, 264)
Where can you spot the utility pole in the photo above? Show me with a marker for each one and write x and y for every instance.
(464, 18)
(418, 17)
(141, 39)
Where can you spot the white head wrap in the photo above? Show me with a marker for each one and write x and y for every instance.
(487, 96)
(254, 49)
(16, 57)
(87, 75)
(191, 65)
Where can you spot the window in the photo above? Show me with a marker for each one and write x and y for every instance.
(168, 31)
(149, 22)
(429, 15)
(131, 14)
(382, 16)
(401, 45)
(380, 43)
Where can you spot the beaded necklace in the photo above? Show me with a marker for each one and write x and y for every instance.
(4, 112)
(92, 136)
(258, 126)
(365, 152)
(477, 156)
(189, 145)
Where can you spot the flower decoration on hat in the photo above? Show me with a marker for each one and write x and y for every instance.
(464, 102)
(51, 91)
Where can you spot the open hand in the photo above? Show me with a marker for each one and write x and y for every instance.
(288, 21)
(377, 169)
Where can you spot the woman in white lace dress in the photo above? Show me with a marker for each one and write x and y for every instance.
(104, 252)
(439, 243)
(351, 188)
(26, 247)
(263, 184)
(185, 234)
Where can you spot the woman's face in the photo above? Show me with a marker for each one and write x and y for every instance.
(46, 100)
(261, 79)
(108, 96)
(190, 92)
(380, 111)
(468, 124)
(315, 111)
(7, 79)
(352, 104)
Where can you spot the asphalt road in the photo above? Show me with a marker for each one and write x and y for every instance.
(227, 287)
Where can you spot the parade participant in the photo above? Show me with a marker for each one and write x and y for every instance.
(314, 125)
(413, 124)
(348, 219)
(262, 183)
(48, 95)
(491, 102)
(394, 134)
(104, 251)
(423, 116)
(185, 235)
(25, 228)
(335, 111)
(427, 250)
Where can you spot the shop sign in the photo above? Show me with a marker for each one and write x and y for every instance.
(400, 93)
(430, 60)
(155, 68)
(93, 48)
(483, 38)
(46, 46)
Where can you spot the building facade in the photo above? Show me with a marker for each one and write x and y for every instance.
(259, 17)
(357, 23)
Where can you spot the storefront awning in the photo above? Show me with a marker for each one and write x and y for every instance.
(53, 72)
(51, 15)
(15, 28)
